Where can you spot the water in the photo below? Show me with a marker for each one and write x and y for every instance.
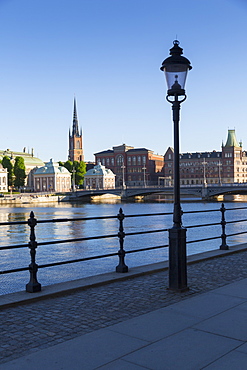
(19, 234)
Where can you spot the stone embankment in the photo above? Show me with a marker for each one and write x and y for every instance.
(26, 199)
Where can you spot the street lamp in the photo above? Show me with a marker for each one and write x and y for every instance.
(123, 167)
(176, 68)
(204, 172)
(219, 165)
(144, 176)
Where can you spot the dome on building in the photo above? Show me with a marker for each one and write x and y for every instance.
(231, 139)
(51, 168)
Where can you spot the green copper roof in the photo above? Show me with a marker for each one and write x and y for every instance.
(99, 170)
(231, 139)
(29, 159)
(51, 168)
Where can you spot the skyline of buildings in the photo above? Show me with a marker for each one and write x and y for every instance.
(142, 167)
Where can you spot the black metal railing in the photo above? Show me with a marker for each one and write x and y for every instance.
(34, 286)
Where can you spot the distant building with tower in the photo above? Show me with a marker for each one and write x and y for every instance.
(75, 139)
(226, 166)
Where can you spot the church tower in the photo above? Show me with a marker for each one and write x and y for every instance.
(75, 140)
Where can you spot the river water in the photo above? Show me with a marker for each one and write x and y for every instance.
(19, 234)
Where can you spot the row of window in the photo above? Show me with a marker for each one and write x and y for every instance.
(131, 160)
(188, 164)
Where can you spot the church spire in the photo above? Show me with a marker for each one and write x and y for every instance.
(75, 128)
(75, 139)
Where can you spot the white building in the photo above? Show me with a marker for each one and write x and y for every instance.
(3, 179)
(99, 177)
(52, 177)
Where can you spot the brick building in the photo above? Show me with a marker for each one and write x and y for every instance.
(132, 166)
(226, 166)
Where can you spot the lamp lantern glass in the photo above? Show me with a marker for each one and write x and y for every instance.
(175, 69)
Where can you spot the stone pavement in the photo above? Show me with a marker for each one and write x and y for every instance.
(118, 324)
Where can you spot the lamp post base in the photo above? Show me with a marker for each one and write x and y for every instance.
(177, 260)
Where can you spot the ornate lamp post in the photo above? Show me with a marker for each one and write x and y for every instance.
(175, 68)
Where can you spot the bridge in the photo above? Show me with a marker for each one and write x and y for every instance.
(199, 191)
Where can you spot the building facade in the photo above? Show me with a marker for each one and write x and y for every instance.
(31, 162)
(226, 166)
(52, 177)
(3, 179)
(99, 177)
(132, 166)
(75, 139)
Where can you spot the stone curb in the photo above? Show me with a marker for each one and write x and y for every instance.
(18, 298)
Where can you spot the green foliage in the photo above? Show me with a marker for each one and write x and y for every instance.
(77, 170)
(80, 168)
(19, 172)
(68, 165)
(6, 163)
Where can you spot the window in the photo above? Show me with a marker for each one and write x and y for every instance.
(129, 161)
(107, 161)
(144, 159)
(139, 160)
(119, 160)
(112, 161)
(134, 161)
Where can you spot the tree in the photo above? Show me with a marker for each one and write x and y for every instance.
(19, 172)
(68, 165)
(77, 169)
(6, 163)
(80, 168)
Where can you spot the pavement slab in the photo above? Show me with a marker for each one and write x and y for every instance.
(86, 352)
(189, 349)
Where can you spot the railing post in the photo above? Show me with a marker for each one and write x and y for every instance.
(121, 253)
(33, 285)
(223, 246)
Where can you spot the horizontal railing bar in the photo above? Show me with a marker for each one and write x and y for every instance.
(78, 260)
(52, 220)
(149, 214)
(239, 233)
(78, 239)
(13, 223)
(14, 246)
(146, 249)
(14, 270)
(76, 219)
(213, 224)
(203, 240)
(231, 222)
(146, 232)
(233, 209)
(204, 211)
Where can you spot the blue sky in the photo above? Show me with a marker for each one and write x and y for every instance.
(108, 53)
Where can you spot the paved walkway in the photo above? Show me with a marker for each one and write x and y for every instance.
(136, 324)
